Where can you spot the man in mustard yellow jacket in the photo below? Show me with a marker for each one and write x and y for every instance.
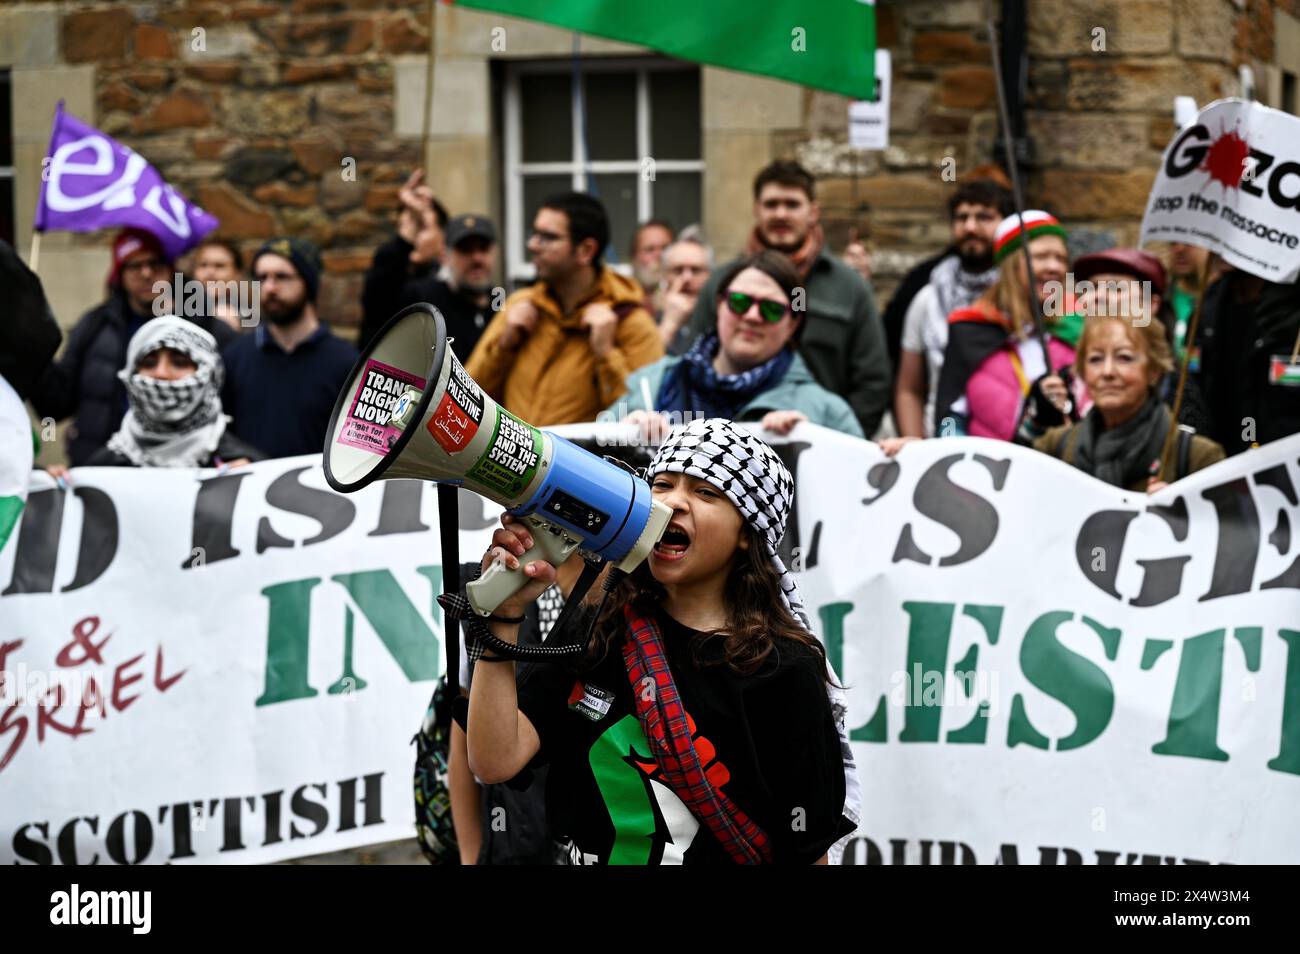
(560, 351)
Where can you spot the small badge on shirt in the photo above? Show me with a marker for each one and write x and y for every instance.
(590, 701)
(1284, 371)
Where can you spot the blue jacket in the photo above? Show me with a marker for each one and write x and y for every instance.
(796, 391)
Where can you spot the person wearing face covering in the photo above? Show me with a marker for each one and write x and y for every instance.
(173, 380)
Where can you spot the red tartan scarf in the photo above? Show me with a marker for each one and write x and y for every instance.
(666, 726)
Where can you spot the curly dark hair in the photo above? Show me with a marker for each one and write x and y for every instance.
(760, 621)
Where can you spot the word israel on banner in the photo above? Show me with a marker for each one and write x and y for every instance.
(91, 181)
(1230, 182)
(1041, 669)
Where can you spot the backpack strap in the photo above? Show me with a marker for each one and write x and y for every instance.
(1065, 444)
(1184, 452)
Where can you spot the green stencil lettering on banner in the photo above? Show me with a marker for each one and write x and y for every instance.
(512, 457)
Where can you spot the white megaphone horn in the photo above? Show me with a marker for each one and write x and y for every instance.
(410, 410)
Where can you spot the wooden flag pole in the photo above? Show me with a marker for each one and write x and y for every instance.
(34, 259)
(427, 120)
(1171, 438)
(1008, 139)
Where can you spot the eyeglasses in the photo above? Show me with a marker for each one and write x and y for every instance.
(147, 265)
(545, 238)
(769, 309)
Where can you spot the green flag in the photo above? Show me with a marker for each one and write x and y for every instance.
(826, 44)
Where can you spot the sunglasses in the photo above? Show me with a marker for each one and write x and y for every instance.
(771, 311)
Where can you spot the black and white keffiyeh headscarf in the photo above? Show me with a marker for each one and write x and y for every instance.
(171, 423)
(751, 475)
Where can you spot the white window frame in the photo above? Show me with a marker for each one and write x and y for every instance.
(518, 268)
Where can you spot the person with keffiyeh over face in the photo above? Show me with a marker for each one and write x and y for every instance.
(702, 726)
(173, 380)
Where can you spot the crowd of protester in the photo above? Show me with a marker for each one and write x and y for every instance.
(786, 332)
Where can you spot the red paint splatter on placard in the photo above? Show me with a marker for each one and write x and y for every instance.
(1226, 159)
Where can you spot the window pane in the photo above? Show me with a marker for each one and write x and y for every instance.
(675, 114)
(618, 193)
(536, 189)
(676, 198)
(611, 115)
(547, 116)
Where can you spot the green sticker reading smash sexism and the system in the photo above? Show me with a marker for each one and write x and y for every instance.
(511, 460)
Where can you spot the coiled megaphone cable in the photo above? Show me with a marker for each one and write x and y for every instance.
(456, 607)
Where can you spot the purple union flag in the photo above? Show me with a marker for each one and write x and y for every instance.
(91, 181)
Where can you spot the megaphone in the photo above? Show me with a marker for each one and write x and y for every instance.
(409, 410)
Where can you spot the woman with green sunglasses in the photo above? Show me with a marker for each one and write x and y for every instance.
(746, 370)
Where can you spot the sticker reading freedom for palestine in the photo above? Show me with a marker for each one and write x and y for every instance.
(511, 461)
(455, 421)
(378, 392)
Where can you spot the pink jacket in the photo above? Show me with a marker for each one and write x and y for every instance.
(994, 396)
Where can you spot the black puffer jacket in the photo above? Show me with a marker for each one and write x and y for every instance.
(1238, 340)
(83, 380)
(229, 448)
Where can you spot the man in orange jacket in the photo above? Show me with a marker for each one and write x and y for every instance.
(560, 350)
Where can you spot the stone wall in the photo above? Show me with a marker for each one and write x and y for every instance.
(278, 117)
(253, 107)
(1099, 111)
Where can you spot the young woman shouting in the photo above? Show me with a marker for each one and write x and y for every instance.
(697, 727)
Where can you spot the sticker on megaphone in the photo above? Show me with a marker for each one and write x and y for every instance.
(383, 388)
(410, 411)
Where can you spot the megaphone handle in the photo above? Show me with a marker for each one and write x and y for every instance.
(498, 582)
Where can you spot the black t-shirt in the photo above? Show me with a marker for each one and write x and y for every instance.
(767, 740)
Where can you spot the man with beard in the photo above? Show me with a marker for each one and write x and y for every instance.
(464, 292)
(283, 379)
(975, 211)
(561, 349)
(842, 341)
(686, 265)
(649, 242)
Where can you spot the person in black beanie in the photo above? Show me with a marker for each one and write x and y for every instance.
(283, 379)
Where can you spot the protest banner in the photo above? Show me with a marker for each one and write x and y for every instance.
(1041, 668)
(1230, 182)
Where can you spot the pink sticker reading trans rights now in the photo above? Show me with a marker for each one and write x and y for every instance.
(378, 393)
